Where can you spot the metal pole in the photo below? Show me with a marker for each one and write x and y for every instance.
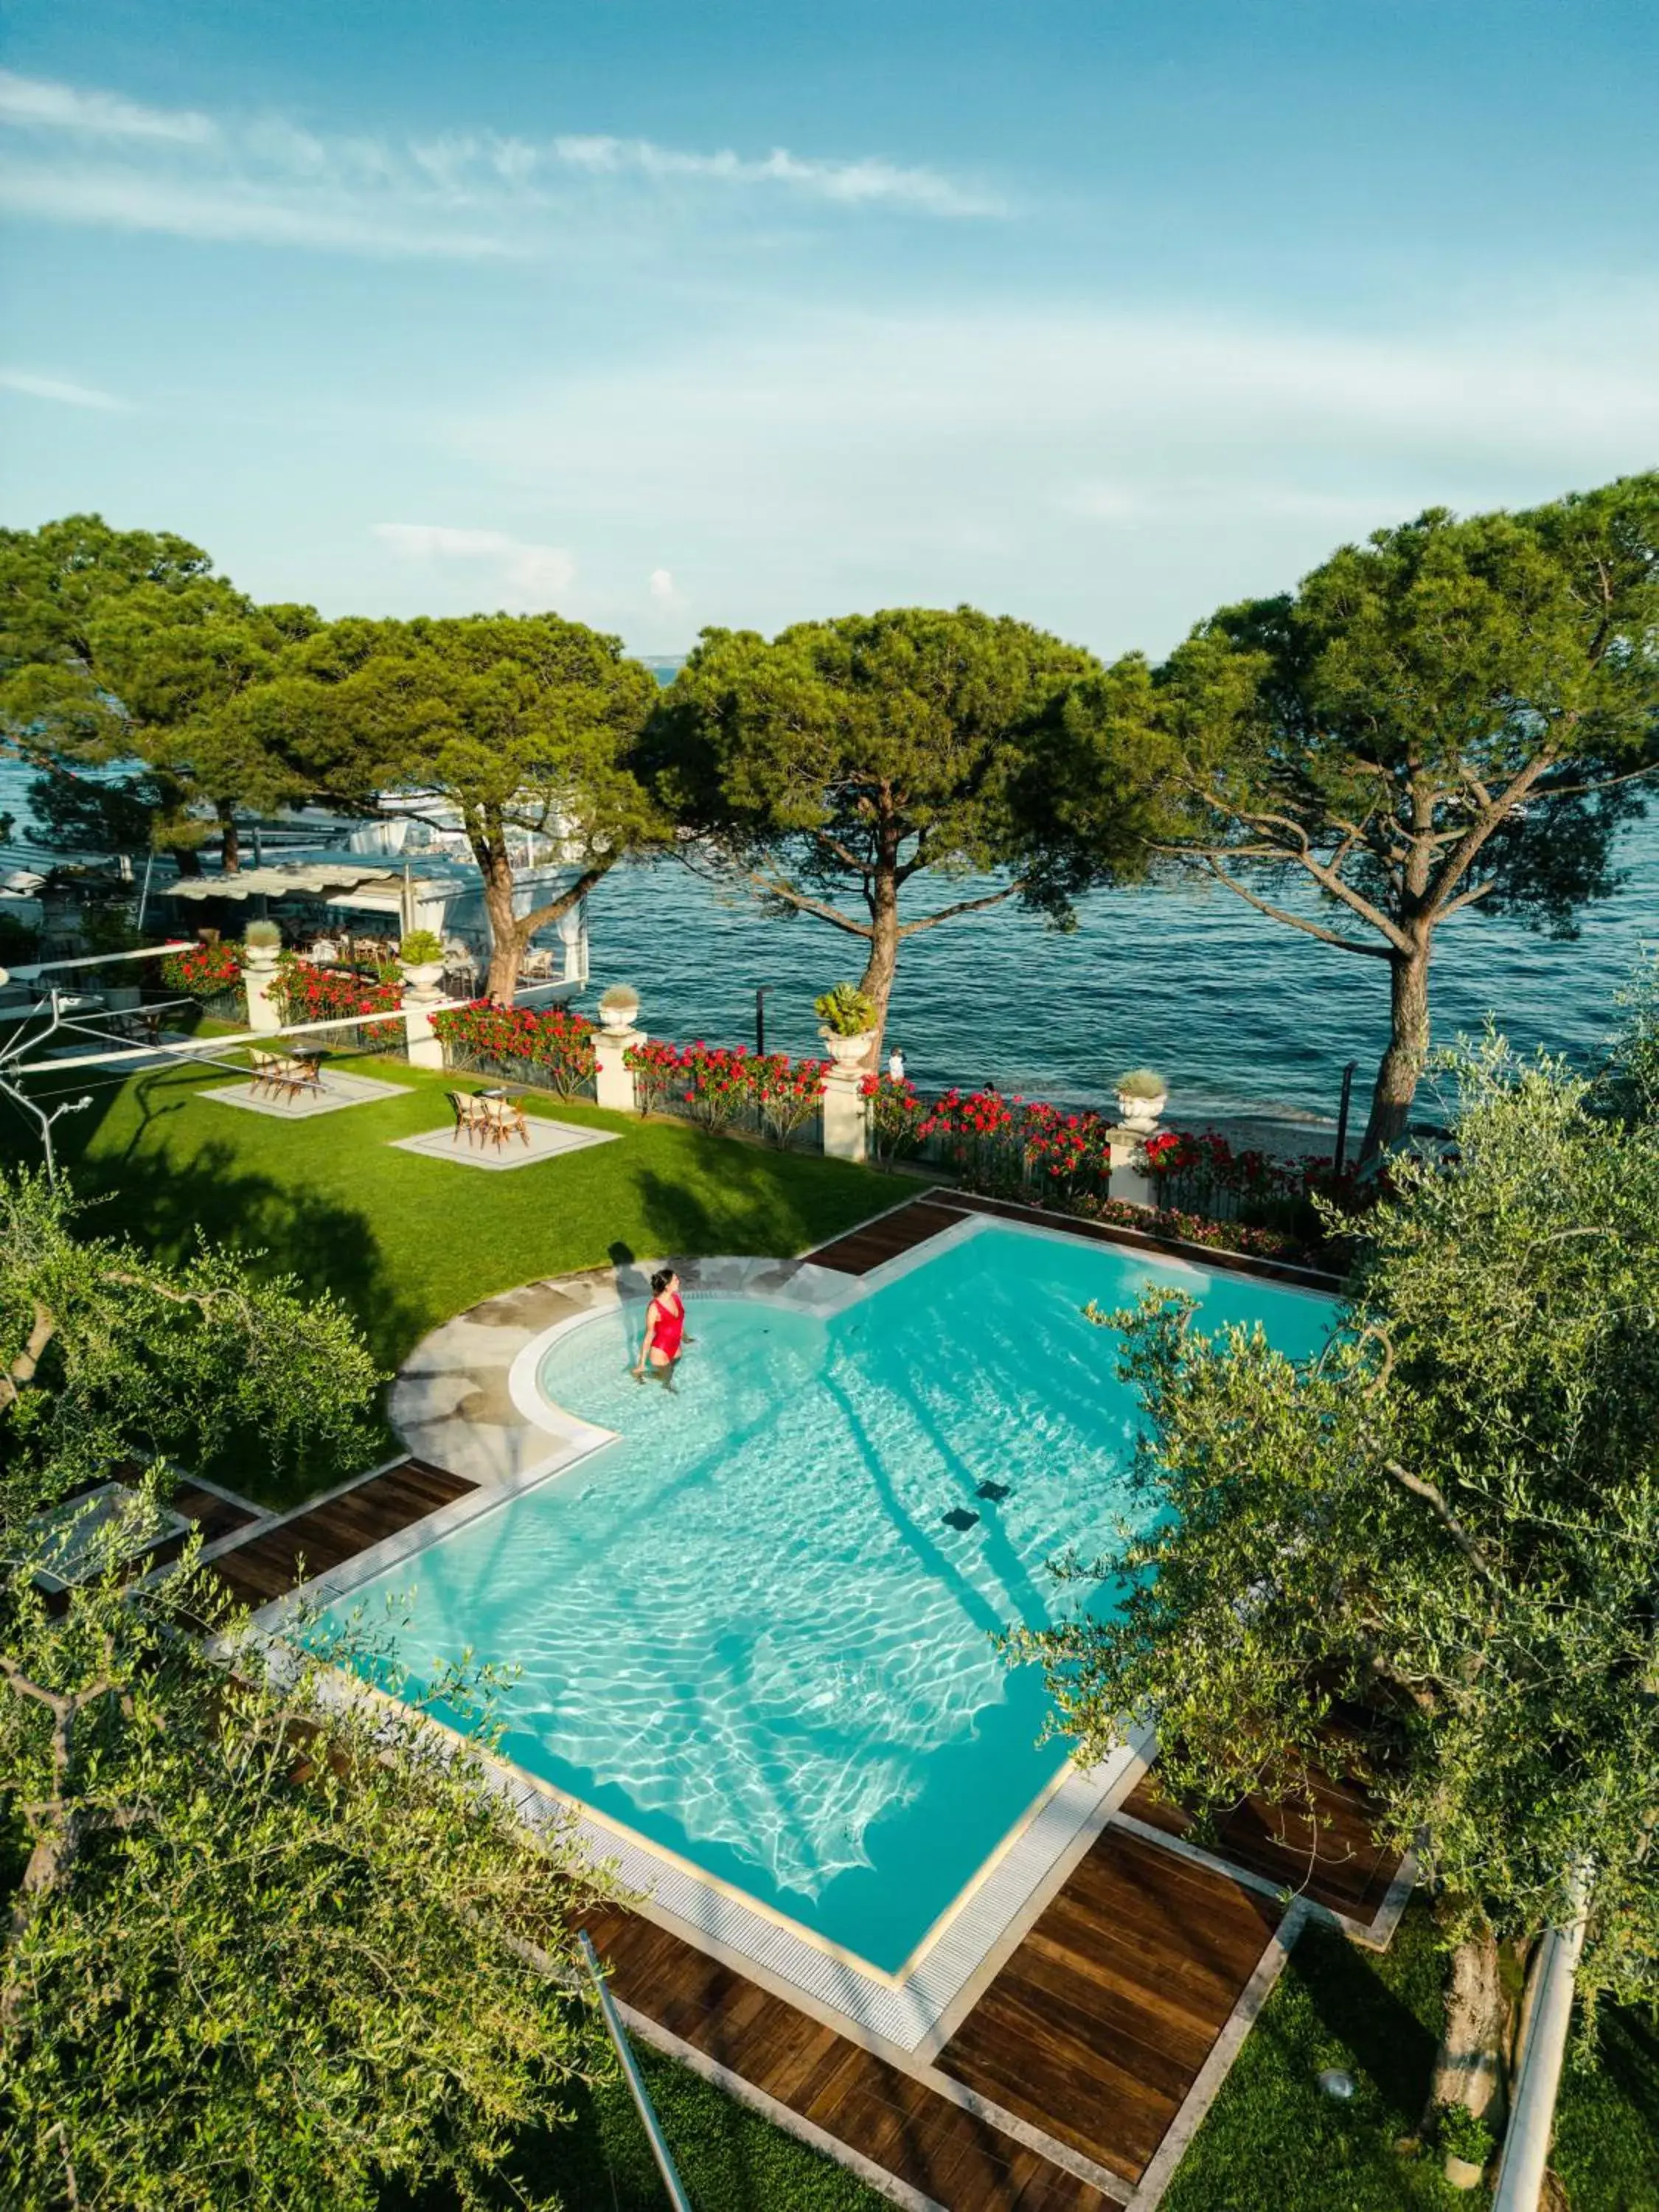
(1342, 1113)
(654, 2135)
(144, 896)
(760, 1022)
(1538, 2077)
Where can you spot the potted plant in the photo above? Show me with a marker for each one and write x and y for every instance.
(262, 941)
(1142, 1095)
(1465, 2143)
(421, 957)
(849, 1020)
(619, 1009)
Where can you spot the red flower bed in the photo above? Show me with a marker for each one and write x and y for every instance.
(205, 970)
(896, 1115)
(302, 993)
(554, 1043)
(716, 1084)
(787, 1092)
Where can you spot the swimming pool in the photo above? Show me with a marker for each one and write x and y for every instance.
(755, 1630)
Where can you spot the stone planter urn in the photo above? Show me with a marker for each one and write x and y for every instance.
(619, 1013)
(422, 975)
(1141, 1113)
(848, 1051)
(1462, 2172)
(261, 959)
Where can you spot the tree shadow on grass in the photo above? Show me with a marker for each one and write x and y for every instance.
(756, 1207)
(169, 1205)
(1359, 2007)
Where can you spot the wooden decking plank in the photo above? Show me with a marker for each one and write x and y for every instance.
(268, 1563)
(1101, 2018)
(1350, 1872)
(878, 1242)
(886, 2115)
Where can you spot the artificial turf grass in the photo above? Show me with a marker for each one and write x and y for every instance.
(1273, 2138)
(408, 1242)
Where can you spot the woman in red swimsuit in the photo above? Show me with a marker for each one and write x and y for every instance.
(665, 1327)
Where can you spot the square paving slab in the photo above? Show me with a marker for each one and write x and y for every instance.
(547, 1140)
(336, 1092)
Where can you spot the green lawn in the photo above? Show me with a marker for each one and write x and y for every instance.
(407, 1242)
(1273, 2138)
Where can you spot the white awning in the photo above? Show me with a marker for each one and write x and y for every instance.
(306, 879)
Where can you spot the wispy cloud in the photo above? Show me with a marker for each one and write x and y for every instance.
(1106, 473)
(61, 390)
(37, 103)
(855, 182)
(524, 577)
(86, 155)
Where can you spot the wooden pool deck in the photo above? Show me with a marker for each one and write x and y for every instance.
(273, 1557)
(1069, 2077)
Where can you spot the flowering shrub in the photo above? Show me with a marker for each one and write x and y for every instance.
(787, 1092)
(1197, 1229)
(302, 993)
(718, 1079)
(205, 970)
(1070, 1149)
(896, 1115)
(653, 1067)
(716, 1084)
(1202, 1171)
(554, 1043)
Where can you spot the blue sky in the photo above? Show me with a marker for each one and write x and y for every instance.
(662, 316)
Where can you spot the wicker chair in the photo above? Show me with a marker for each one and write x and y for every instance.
(470, 1114)
(504, 1118)
(284, 1074)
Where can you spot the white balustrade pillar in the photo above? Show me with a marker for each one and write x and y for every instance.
(846, 1114)
(258, 973)
(426, 1047)
(614, 1084)
(1130, 1180)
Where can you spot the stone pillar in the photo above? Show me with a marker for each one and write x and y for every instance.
(846, 1114)
(259, 974)
(426, 1047)
(1130, 1180)
(614, 1084)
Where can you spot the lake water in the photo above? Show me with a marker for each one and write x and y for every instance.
(1244, 1017)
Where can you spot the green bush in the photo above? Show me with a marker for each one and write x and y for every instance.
(1462, 2134)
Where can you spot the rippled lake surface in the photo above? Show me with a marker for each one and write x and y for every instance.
(1242, 1015)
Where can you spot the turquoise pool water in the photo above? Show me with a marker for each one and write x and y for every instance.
(748, 1630)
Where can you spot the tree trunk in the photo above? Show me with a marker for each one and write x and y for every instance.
(230, 851)
(1468, 2067)
(507, 941)
(876, 983)
(1408, 1046)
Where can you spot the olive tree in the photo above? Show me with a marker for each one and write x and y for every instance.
(830, 767)
(266, 1943)
(1450, 720)
(1449, 1523)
